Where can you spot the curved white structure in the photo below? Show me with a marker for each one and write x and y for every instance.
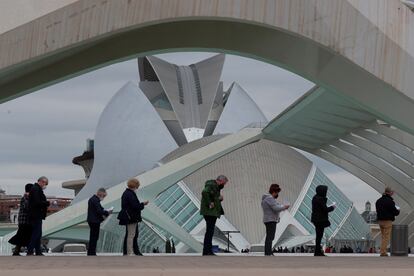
(239, 111)
(170, 97)
(119, 139)
(345, 46)
(361, 60)
(353, 138)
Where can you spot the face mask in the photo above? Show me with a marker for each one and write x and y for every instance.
(44, 187)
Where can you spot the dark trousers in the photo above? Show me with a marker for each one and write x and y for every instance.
(34, 244)
(93, 238)
(270, 236)
(319, 235)
(135, 241)
(208, 237)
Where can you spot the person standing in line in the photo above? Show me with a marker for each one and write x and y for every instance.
(386, 213)
(24, 232)
(130, 216)
(38, 205)
(271, 211)
(320, 216)
(211, 209)
(96, 214)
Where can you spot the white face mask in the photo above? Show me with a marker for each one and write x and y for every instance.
(44, 187)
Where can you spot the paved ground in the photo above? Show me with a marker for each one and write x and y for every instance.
(200, 266)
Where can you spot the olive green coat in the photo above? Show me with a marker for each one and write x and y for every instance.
(211, 193)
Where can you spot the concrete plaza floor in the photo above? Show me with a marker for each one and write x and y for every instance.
(335, 265)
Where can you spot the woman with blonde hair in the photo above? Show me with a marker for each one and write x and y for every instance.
(130, 216)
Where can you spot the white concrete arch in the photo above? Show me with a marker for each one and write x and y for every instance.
(344, 46)
(387, 143)
(378, 154)
(362, 174)
(316, 39)
(382, 153)
(373, 171)
(351, 168)
(399, 136)
(372, 159)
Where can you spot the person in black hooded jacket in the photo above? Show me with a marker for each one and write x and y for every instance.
(319, 217)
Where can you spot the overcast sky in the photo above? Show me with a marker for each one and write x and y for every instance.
(43, 131)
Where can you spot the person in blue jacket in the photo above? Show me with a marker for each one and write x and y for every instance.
(96, 214)
(130, 216)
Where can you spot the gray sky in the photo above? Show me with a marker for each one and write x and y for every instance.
(43, 131)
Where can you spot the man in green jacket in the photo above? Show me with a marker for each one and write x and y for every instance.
(211, 209)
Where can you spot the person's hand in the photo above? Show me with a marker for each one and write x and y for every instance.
(146, 202)
(221, 198)
(287, 206)
(211, 205)
(110, 211)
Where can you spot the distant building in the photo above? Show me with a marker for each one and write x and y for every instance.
(9, 206)
(369, 216)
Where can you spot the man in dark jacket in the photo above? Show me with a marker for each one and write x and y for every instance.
(386, 213)
(320, 216)
(37, 213)
(211, 209)
(96, 214)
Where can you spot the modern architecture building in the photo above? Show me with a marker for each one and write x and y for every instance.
(189, 105)
(360, 118)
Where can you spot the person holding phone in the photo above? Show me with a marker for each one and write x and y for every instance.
(386, 213)
(319, 216)
(96, 215)
(271, 211)
(130, 216)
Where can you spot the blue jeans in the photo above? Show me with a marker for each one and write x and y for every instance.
(34, 244)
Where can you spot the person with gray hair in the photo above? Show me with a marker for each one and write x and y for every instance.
(38, 205)
(96, 214)
(211, 209)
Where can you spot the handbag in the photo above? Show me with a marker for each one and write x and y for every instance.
(123, 217)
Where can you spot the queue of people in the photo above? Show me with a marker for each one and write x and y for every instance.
(33, 209)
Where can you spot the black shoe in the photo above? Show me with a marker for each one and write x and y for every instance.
(29, 254)
(40, 254)
(209, 254)
(16, 254)
(319, 255)
(269, 254)
(139, 254)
